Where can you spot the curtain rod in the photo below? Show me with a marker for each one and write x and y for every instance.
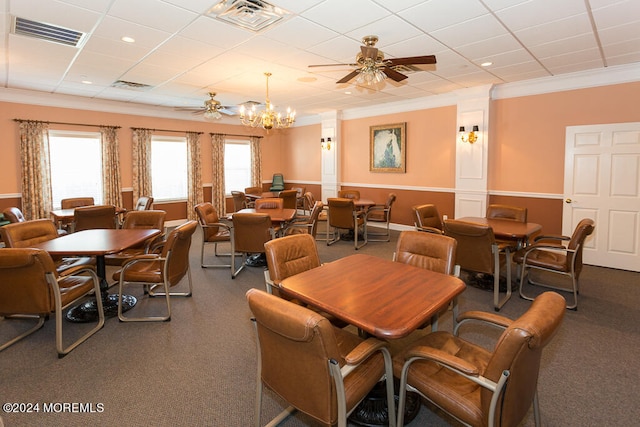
(166, 130)
(65, 123)
(235, 134)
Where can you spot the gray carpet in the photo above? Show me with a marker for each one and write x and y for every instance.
(199, 369)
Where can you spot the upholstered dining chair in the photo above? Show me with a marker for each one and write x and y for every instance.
(30, 288)
(301, 201)
(250, 232)
(343, 215)
(427, 218)
(239, 200)
(213, 233)
(308, 224)
(349, 194)
(551, 254)
(476, 386)
(252, 190)
(139, 219)
(93, 217)
(515, 213)
(430, 251)
(287, 256)
(323, 225)
(269, 203)
(479, 252)
(289, 198)
(277, 182)
(144, 203)
(72, 203)
(381, 214)
(25, 234)
(317, 368)
(159, 270)
(13, 215)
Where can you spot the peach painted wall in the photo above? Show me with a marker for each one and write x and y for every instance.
(431, 138)
(294, 152)
(528, 133)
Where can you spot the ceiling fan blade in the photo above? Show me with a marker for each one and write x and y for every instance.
(227, 111)
(348, 77)
(393, 74)
(369, 52)
(332, 65)
(427, 59)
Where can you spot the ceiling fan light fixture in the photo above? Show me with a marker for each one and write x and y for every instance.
(370, 76)
(211, 115)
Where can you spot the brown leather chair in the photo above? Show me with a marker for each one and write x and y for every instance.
(381, 214)
(310, 200)
(250, 232)
(269, 203)
(288, 256)
(344, 216)
(144, 203)
(253, 190)
(514, 213)
(164, 270)
(13, 215)
(25, 234)
(76, 202)
(427, 218)
(349, 194)
(478, 251)
(318, 369)
(309, 224)
(477, 386)
(548, 253)
(301, 201)
(140, 219)
(213, 232)
(30, 287)
(94, 217)
(239, 200)
(430, 251)
(289, 199)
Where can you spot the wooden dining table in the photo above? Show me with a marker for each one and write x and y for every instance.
(98, 243)
(507, 229)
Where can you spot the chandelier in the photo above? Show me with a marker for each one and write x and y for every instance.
(267, 118)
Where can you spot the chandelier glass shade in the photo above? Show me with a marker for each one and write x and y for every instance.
(370, 73)
(267, 118)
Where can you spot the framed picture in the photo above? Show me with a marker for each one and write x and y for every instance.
(388, 150)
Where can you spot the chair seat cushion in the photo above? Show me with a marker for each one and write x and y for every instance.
(542, 258)
(66, 263)
(452, 392)
(220, 236)
(145, 271)
(73, 287)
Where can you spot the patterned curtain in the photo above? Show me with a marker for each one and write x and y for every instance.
(111, 178)
(141, 163)
(36, 170)
(194, 172)
(256, 162)
(217, 153)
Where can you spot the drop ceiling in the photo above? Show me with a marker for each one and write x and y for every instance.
(183, 50)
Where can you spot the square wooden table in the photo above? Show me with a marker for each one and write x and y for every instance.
(98, 243)
(507, 229)
(383, 298)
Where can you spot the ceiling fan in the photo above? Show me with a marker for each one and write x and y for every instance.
(373, 67)
(212, 109)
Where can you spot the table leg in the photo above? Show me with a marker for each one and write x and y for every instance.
(88, 312)
(372, 411)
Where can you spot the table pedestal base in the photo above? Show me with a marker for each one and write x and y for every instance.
(88, 311)
(372, 411)
(256, 260)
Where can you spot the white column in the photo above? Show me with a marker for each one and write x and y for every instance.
(330, 157)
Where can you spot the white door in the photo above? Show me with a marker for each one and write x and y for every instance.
(602, 182)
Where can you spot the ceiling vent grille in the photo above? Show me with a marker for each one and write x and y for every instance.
(406, 69)
(254, 15)
(123, 84)
(52, 33)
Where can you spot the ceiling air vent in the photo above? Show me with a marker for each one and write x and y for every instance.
(406, 69)
(52, 33)
(123, 84)
(254, 15)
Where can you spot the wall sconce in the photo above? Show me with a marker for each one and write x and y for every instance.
(326, 145)
(471, 137)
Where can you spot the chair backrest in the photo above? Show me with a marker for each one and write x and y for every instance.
(300, 191)
(383, 215)
(251, 231)
(341, 213)
(519, 350)
(430, 251)
(311, 200)
(239, 200)
(178, 244)
(295, 346)
(148, 219)
(277, 182)
(427, 216)
(313, 217)
(25, 234)
(349, 194)
(291, 255)
(144, 203)
(253, 190)
(13, 215)
(23, 285)
(514, 213)
(289, 198)
(75, 202)
(270, 203)
(584, 228)
(92, 217)
(475, 245)
(207, 215)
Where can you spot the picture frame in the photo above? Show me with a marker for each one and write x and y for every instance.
(388, 148)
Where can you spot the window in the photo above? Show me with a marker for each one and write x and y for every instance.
(237, 166)
(76, 165)
(168, 168)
